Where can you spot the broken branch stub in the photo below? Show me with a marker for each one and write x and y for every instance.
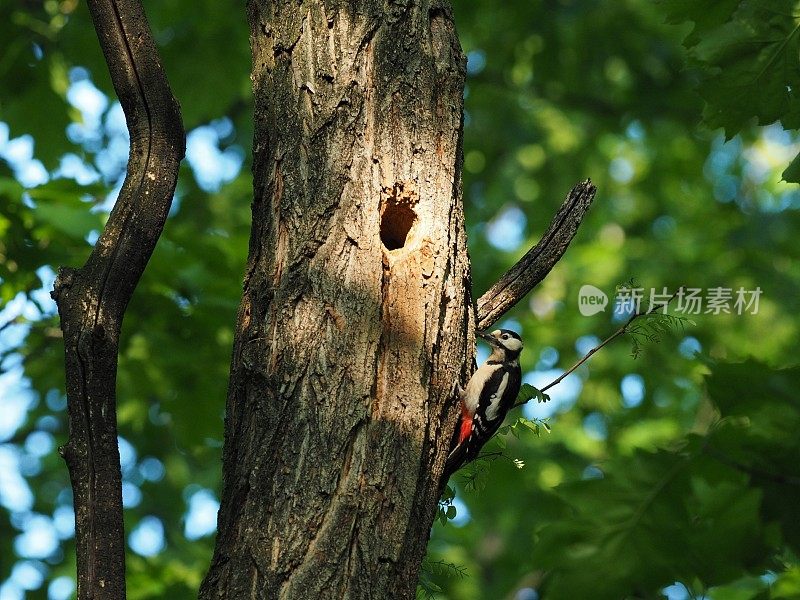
(532, 268)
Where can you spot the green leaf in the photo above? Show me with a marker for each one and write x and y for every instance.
(532, 425)
(758, 434)
(704, 15)
(792, 173)
(528, 392)
(747, 57)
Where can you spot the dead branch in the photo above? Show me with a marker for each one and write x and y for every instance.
(539, 260)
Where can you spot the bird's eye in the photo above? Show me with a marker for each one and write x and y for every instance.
(505, 336)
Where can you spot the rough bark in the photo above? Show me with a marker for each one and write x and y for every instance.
(356, 316)
(92, 300)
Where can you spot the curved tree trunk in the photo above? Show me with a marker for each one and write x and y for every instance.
(356, 315)
(92, 299)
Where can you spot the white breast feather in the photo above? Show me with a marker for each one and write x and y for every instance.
(472, 394)
(494, 404)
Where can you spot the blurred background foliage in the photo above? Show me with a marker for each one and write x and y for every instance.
(672, 475)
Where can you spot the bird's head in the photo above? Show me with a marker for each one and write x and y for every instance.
(506, 344)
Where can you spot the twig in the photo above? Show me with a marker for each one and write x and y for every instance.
(619, 332)
(532, 268)
(92, 300)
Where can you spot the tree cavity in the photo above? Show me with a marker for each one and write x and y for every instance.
(397, 215)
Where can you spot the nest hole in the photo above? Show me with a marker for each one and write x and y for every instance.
(396, 223)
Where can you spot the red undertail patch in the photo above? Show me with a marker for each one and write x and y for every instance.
(466, 424)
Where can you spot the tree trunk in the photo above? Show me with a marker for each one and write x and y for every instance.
(92, 300)
(356, 315)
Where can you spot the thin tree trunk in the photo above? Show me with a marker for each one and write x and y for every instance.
(92, 300)
(356, 316)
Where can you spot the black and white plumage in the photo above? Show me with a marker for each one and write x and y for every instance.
(489, 395)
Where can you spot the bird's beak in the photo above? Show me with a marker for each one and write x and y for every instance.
(488, 338)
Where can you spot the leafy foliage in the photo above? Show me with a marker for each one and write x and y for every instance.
(446, 509)
(746, 53)
(651, 329)
(427, 588)
(713, 507)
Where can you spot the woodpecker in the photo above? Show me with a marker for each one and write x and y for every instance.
(489, 395)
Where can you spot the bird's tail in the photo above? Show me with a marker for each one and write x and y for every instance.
(457, 455)
(454, 460)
